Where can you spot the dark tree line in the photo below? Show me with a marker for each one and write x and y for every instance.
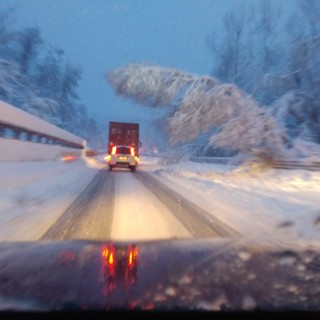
(36, 77)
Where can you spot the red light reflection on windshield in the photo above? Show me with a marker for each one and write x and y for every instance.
(119, 266)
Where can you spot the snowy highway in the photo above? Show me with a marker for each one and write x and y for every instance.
(123, 206)
(54, 200)
(115, 205)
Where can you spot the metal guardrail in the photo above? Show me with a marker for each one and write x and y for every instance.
(312, 166)
(217, 160)
(20, 125)
(9, 131)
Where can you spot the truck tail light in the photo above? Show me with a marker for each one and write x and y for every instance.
(132, 151)
(114, 150)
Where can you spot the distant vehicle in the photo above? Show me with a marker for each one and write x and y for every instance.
(122, 156)
(123, 145)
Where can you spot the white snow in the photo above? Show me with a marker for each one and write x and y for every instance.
(19, 150)
(29, 151)
(278, 205)
(139, 215)
(34, 194)
(14, 116)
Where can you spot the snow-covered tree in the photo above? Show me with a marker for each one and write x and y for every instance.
(45, 108)
(29, 41)
(10, 80)
(7, 35)
(230, 52)
(204, 104)
(35, 77)
(253, 130)
(48, 74)
(69, 83)
(303, 70)
(151, 85)
(249, 48)
(275, 67)
(266, 28)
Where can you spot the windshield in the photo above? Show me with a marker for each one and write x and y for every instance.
(181, 137)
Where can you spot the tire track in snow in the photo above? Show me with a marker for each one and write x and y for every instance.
(200, 223)
(90, 215)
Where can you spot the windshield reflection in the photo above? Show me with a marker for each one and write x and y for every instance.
(118, 266)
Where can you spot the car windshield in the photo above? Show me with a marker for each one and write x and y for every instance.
(160, 155)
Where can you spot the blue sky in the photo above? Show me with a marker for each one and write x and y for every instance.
(100, 35)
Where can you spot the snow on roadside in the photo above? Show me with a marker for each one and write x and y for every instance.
(259, 203)
(34, 194)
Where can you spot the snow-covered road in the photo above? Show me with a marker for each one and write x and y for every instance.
(140, 215)
(115, 205)
(273, 204)
(36, 196)
(260, 203)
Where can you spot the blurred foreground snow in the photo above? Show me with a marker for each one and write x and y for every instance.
(261, 203)
(34, 194)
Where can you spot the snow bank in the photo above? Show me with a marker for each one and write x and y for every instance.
(23, 149)
(16, 150)
(33, 195)
(263, 204)
(14, 116)
(258, 202)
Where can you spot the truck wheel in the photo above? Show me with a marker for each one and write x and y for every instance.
(133, 169)
(110, 168)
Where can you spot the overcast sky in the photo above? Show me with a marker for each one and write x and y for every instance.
(100, 35)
